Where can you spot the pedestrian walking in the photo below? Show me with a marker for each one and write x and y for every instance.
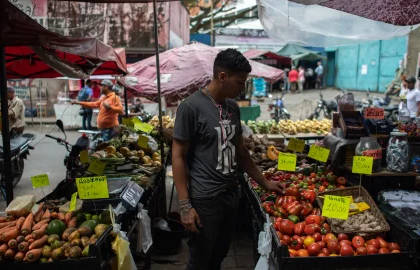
(286, 83)
(86, 94)
(301, 79)
(293, 78)
(16, 112)
(319, 74)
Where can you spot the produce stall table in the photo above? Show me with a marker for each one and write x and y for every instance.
(279, 138)
(250, 113)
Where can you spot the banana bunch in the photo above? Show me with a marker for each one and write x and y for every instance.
(288, 126)
(167, 121)
(306, 126)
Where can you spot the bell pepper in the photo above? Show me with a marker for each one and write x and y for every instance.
(341, 181)
(272, 153)
(293, 218)
(279, 200)
(316, 211)
(294, 208)
(287, 200)
(321, 189)
(299, 227)
(271, 198)
(309, 195)
(331, 177)
(307, 209)
(269, 207)
(283, 213)
(292, 192)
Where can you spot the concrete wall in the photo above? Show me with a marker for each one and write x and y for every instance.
(369, 65)
(413, 52)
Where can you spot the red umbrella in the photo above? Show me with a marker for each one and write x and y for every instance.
(183, 70)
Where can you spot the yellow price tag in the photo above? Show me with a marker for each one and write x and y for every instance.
(296, 145)
(73, 202)
(403, 97)
(127, 122)
(336, 207)
(286, 162)
(143, 142)
(362, 165)
(92, 187)
(146, 128)
(40, 180)
(319, 153)
(96, 167)
(84, 157)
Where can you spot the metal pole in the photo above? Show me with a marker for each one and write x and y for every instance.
(32, 110)
(211, 24)
(7, 159)
(126, 102)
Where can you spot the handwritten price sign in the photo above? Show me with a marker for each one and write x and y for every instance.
(96, 167)
(296, 145)
(374, 113)
(128, 122)
(84, 157)
(40, 181)
(146, 128)
(143, 141)
(319, 153)
(336, 207)
(73, 202)
(92, 187)
(286, 162)
(362, 165)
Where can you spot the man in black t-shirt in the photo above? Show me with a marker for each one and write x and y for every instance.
(207, 150)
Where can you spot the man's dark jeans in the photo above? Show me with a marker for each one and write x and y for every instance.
(211, 245)
(87, 117)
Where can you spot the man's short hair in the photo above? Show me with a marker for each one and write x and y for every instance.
(230, 61)
(88, 82)
(10, 89)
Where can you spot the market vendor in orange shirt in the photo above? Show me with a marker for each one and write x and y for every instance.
(109, 108)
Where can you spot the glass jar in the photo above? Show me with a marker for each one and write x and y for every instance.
(403, 116)
(397, 154)
(369, 147)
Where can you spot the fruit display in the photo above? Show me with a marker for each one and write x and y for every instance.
(412, 129)
(291, 127)
(43, 236)
(167, 121)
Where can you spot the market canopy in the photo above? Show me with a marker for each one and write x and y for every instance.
(322, 26)
(34, 52)
(254, 54)
(297, 53)
(183, 71)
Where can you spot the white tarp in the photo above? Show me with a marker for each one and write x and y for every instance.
(320, 26)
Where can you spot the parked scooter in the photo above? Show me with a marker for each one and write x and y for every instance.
(327, 107)
(19, 149)
(280, 112)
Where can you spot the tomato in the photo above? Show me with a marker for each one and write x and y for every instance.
(321, 244)
(393, 246)
(297, 243)
(279, 234)
(286, 239)
(395, 251)
(373, 242)
(314, 249)
(317, 237)
(292, 192)
(371, 249)
(333, 246)
(313, 219)
(287, 227)
(299, 228)
(303, 253)
(279, 200)
(341, 181)
(345, 242)
(321, 189)
(328, 237)
(382, 242)
(322, 255)
(346, 250)
(361, 251)
(326, 251)
(293, 252)
(309, 195)
(342, 237)
(307, 209)
(317, 228)
(383, 251)
(309, 229)
(358, 241)
(326, 227)
(308, 241)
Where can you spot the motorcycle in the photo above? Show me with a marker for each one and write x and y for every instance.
(280, 112)
(19, 150)
(94, 137)
(390, 112)
(327, 107)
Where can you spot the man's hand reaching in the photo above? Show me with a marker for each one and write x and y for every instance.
(277, 187)
(190, 220)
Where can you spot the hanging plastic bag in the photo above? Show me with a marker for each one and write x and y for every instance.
(264, 248)
(121, 246)
(144, 240)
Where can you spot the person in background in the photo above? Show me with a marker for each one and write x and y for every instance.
(319, 74)
(413, 97)
(301, 79)
(403, 91)
(286, 86)
(309, 78)
(395, 86)
(208, 149)
(96, 90)
(138, 106)
(293, 79)
(109, 108)
(16, 113)
(86, 95)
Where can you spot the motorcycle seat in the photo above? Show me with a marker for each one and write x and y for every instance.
(391, 108)
(15, 144)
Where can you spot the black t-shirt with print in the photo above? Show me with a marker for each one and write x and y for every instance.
(211, 160)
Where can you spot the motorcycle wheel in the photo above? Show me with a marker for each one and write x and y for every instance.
(313, 116)
(18, 175)
(327, 115)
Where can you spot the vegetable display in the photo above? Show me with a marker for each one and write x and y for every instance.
(291, 127)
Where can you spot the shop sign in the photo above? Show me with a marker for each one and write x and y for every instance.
(374, 113)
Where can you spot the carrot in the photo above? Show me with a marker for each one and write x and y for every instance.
(7, 228)
(46, 215)
(23, 246)
(3, 249)
(10, 254)
(33, 255)
(10, 218)
(60, 216)
(54, 215)
(9, 235)
(40, 224)
(39, 233)
(29, 237)
(26, 227)
(19, 256)
(30, 241)
(72, 223)
(20, 239)
(3, 219)
(68, 217)
(5, 224)
(39, 243)
(19, 222)
(12, 243)
(38, 216)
